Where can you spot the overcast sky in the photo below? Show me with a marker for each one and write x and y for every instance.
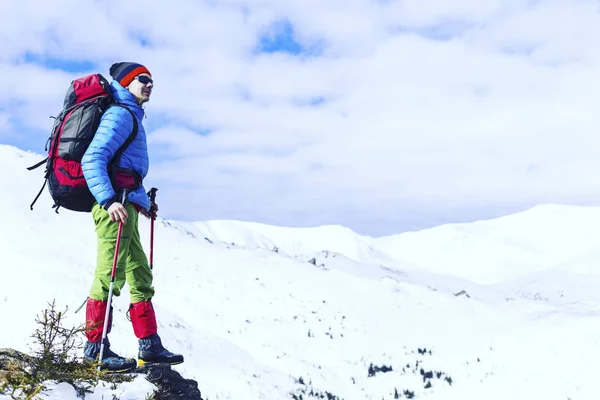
(382, 116)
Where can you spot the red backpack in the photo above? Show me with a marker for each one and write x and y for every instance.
(86, 100)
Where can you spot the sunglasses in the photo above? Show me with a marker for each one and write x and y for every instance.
(144, 79)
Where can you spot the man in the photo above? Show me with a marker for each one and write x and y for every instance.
(131, 88)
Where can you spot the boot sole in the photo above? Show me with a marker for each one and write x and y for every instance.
(130, 369)
(120, 370)
(142, 363)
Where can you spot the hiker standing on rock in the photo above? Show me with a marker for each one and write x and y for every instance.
(131, 88)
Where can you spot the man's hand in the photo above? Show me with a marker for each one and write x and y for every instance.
(117, 212)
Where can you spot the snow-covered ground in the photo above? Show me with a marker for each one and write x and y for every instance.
(500, 309)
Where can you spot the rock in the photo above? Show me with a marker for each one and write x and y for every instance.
(171, 385)
(462, 293)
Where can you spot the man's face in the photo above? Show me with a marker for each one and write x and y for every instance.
(141, 87)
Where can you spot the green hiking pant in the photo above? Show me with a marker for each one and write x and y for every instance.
(132, 264)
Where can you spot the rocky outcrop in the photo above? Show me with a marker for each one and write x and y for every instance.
(171, 385)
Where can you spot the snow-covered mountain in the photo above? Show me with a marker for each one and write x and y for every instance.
(498, 309)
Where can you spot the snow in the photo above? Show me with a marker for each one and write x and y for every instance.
(138, 389)
(254, 308)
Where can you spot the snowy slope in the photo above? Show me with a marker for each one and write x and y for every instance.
(252, 321)
(504, 248)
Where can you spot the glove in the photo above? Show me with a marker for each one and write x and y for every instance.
(150, 213)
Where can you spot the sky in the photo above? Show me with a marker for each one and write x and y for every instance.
(379, 115)
(251, 321)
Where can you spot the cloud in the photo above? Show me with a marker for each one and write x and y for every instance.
(378, 115)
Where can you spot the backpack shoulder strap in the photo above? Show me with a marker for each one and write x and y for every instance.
(112, 166)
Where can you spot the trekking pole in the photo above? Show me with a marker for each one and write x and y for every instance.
(153, 217)
(112, 283)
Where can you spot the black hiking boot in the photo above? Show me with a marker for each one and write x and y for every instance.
(151, 351)
(110, 360)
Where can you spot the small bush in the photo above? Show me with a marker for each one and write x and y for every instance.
(53, 359)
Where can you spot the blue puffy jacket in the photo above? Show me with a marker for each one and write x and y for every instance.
(115, 127)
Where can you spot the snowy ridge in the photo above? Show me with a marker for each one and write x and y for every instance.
(294, 241)
(404, 316)
(486, 252)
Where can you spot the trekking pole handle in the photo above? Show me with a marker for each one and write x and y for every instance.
(152, 194)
